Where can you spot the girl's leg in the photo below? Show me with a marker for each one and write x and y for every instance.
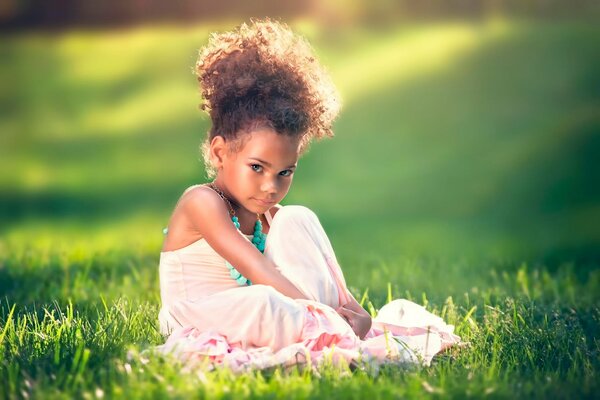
(302, 252)
(252, 316)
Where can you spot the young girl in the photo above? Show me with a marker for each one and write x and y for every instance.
(245, 281)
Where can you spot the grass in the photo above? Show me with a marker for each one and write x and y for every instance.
(79, 327)
(461, 178)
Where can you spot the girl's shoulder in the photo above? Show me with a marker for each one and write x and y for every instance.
(200, 196)
(198, 209)
(198, 201)
(201, 187)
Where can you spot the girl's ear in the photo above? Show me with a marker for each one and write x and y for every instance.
(217, 151)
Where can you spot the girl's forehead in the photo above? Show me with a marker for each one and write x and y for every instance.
(270, 146)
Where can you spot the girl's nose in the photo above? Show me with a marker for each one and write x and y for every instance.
(269, 186)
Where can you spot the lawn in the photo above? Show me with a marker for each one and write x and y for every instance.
(463, 176)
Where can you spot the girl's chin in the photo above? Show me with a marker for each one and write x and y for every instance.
(260, 210)
(256, 208)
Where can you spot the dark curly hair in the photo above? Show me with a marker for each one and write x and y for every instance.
(263, 75)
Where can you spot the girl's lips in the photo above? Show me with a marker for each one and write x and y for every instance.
(265, 202)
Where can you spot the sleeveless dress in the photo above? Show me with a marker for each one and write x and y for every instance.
(208, 317)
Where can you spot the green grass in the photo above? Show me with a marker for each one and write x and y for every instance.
(462, 177)
(74, 322)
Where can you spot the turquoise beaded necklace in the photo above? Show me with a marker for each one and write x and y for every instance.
(258, 238)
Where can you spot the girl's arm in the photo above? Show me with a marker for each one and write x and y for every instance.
(209, 216)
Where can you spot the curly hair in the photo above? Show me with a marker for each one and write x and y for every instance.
(263, 75)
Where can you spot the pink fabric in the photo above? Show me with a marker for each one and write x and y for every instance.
(211, 319)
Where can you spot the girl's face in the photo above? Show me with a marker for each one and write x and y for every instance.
(259, 175)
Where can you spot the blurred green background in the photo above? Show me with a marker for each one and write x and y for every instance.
(467, 136)
(463, 176)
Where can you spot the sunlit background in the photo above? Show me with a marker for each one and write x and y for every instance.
(468, 128)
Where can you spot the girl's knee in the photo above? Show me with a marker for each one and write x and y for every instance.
(295, 214)
(296, 229)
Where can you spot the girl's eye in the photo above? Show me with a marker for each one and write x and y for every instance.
(287, 172)
(256, 167)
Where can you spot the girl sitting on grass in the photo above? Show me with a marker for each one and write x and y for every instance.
(245, 281)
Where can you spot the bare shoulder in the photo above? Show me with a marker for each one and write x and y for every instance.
(199, 192)
(202, 206)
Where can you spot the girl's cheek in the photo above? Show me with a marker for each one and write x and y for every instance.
(286, 186)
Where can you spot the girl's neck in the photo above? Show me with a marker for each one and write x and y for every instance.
(240, 211)
(246, 218)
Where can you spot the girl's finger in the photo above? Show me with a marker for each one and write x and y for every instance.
(342, 311)
(347, 312)
(347, 315)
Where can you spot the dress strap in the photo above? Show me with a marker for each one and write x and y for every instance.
(269, 217)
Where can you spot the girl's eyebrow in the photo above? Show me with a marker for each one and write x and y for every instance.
(269, 164)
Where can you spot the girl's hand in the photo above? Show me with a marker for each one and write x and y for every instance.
(360, 323)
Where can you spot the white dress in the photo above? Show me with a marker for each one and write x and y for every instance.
(209, 317)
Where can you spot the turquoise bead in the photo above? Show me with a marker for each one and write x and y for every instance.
(258, 240)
